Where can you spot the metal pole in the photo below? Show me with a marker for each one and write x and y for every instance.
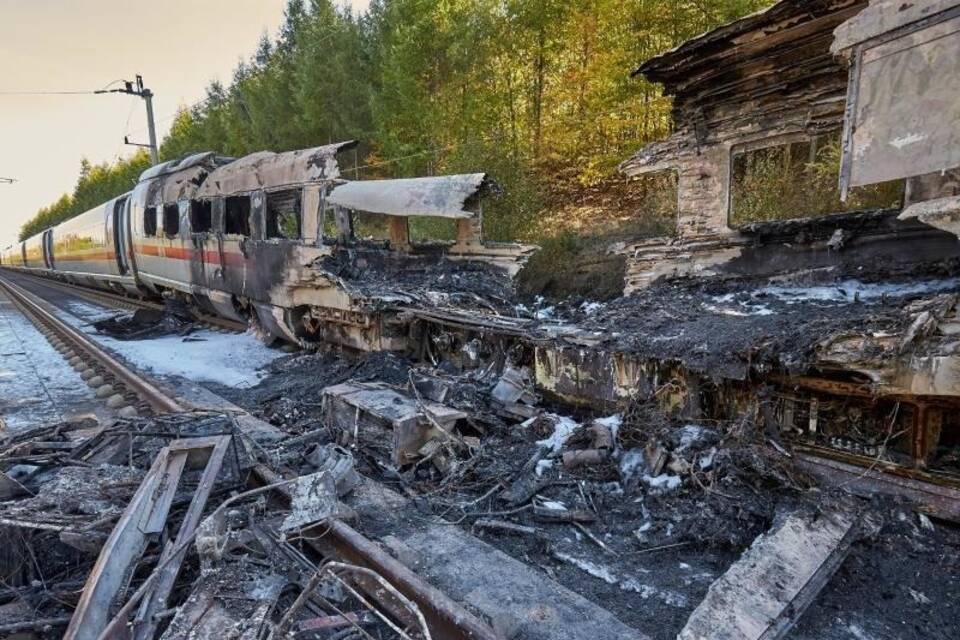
(142, 92)
(151, 126)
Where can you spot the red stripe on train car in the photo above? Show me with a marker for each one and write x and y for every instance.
(179, 253)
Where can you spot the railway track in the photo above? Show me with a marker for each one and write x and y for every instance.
(122, 388)
(119, 301)
(444, 617)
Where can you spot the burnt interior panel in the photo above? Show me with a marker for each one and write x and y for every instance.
(150, 221)
(201, 216)
(284, 214)
(236, 217)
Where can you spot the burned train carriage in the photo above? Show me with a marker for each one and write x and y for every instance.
(251, 239)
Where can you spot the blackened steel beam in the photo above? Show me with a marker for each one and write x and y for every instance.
(446, 618)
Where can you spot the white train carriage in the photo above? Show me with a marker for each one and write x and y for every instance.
(93, 248)
(36, 254)
(247, 239)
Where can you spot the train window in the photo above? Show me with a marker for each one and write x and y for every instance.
(201, 216)
(236, 218)
(283, 214)
(150, 221)
(171, 220)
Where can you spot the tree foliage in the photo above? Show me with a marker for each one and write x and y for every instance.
(531, 91)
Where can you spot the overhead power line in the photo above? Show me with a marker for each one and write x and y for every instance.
(135, 88)
(47, 93)
(59, 93)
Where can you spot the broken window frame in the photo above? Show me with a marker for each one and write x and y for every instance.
(197, 207)
(150, 222)
(781, 140)
(272, 228)
(171, 220)
(416, 236)
(336, 220)
(751, 146)
(675, 170)
(369, 227)
(229, 230)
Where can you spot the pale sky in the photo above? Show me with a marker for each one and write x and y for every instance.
(74, 45)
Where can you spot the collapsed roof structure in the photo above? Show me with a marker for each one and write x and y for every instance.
(742, 356)
(847, 320)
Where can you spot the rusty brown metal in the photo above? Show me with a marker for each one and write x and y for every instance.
(446, 618)
(931, 493)
(585, 458)
(601, 446)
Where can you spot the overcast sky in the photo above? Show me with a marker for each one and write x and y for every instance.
(69, 45)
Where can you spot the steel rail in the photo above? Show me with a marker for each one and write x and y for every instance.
(110, 298)
(37, 310)
(446, 618)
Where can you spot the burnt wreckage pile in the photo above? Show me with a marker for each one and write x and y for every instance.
(383, 498)
(174, 527)
(758, 440)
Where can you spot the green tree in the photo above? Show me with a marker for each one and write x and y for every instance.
(536, 92)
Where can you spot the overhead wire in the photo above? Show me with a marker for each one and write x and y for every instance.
(47, 93)
(126, 127)
(60, 93)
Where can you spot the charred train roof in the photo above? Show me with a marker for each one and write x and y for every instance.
(441, 196)
(268, 170)
(205, 159)
(206, 175)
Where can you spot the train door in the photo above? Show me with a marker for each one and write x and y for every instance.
(202, 240)
(48, 248)
(121, 235)
(217, 239)
(234, 242)
(173, 244)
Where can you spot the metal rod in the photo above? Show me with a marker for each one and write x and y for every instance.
(151, 125)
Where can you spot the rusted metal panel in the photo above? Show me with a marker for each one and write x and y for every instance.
(443, 196)
(268, 170)
(941, 500)
(904, 106)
